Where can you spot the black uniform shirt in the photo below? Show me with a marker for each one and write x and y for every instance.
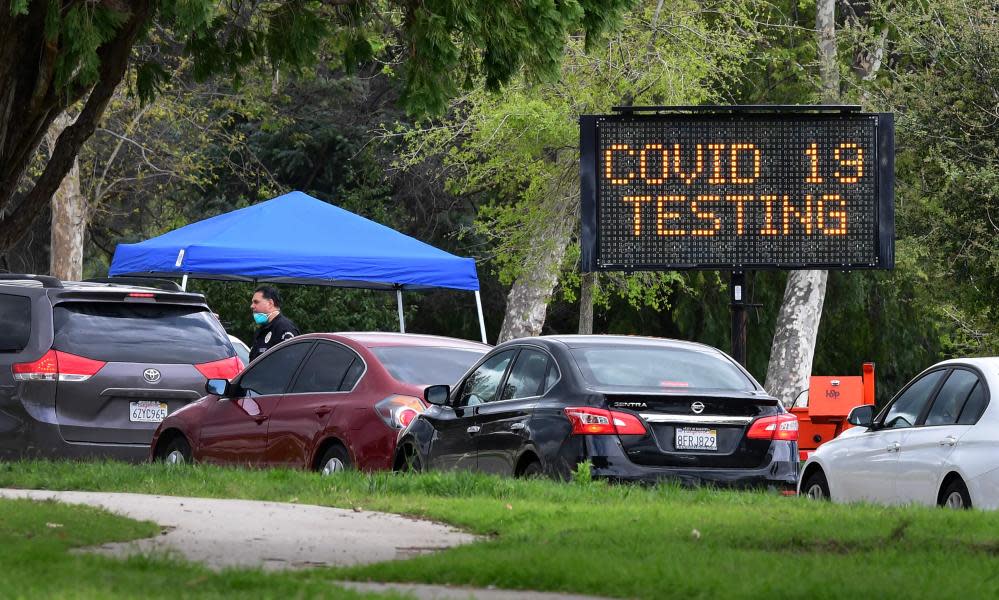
(279, 329)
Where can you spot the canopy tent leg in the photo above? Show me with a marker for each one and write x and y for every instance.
(183, 282)
(402, 318)
(482, 321)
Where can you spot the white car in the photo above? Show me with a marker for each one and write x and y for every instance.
(935, 443)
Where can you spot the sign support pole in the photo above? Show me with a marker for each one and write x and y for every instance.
(737, 286)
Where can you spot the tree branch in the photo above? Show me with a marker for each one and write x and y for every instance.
(114, 60)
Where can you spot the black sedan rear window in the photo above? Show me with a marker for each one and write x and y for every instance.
(423, 365)
(659, 367)
(146, 333)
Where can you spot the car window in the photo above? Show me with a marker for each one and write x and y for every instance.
(325, 369)
(663, 367)
(272, 373)
(145, 333)
(951, 398)
(975, 405)
(526, 376)
(907, 407)
(482, 384)
(426, 365)
(15, 322)
(354, 373)
(552, 378)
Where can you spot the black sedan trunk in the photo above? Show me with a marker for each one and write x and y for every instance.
(696, 430)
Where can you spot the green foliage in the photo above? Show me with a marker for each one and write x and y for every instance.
(18, 7)
(442, 41)
(944, 85)
(455, 40)
(83, 28)
(516, 153)
(583, 473)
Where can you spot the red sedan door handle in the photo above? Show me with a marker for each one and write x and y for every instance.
(260, 419)
(322, 411)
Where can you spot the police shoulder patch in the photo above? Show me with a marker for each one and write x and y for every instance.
(267, 338)
(287, 336)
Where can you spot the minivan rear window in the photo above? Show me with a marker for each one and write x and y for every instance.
(659, 367)
(146, 333)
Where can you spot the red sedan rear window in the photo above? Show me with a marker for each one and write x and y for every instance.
(425, 365)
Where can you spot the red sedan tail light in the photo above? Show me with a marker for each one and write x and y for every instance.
(57, 366)
(399, 411)
(598, 421)
(227, 368)
(778, 427)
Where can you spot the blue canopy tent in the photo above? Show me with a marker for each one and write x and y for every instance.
(296, 238)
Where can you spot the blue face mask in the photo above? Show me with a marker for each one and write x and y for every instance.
(260, 318)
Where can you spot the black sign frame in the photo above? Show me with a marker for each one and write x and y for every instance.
(884, 184)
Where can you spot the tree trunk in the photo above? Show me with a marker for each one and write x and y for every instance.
(586, 303)
(797, 328)
(825, 26)
(69, 215)
(527, 302)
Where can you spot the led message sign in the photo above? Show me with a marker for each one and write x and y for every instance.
(737, 190)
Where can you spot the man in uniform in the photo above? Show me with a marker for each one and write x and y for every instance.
(274, 327)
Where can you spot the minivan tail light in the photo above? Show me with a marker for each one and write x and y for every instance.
(57, 366)
(778, 427)
(399, 411)
(586, 420)
(227, 368)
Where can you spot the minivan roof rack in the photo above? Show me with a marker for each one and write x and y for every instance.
(46, 281)
(151, 282)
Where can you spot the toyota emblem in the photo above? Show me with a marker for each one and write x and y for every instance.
(697, 407)
(151, 375)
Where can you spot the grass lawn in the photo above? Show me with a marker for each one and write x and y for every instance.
(592, 538)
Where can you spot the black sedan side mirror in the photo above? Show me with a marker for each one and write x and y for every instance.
(218, 387)
(437, 394)
(861, 416)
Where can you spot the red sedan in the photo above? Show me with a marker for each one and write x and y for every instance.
(324, 401)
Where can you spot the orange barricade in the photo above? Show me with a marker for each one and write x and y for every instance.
(830, 400)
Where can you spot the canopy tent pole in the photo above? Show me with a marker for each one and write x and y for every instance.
(183, 282)
(402, 318)
(482, 321)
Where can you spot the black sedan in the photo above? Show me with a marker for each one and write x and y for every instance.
(638, 409)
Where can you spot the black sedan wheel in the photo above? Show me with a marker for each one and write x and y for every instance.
(409, 460)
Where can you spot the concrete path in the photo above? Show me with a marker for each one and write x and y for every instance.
(442, 592)
(271, 535)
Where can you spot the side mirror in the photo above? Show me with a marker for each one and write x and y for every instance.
(861, 416)
(437, 394)
(218, 387)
